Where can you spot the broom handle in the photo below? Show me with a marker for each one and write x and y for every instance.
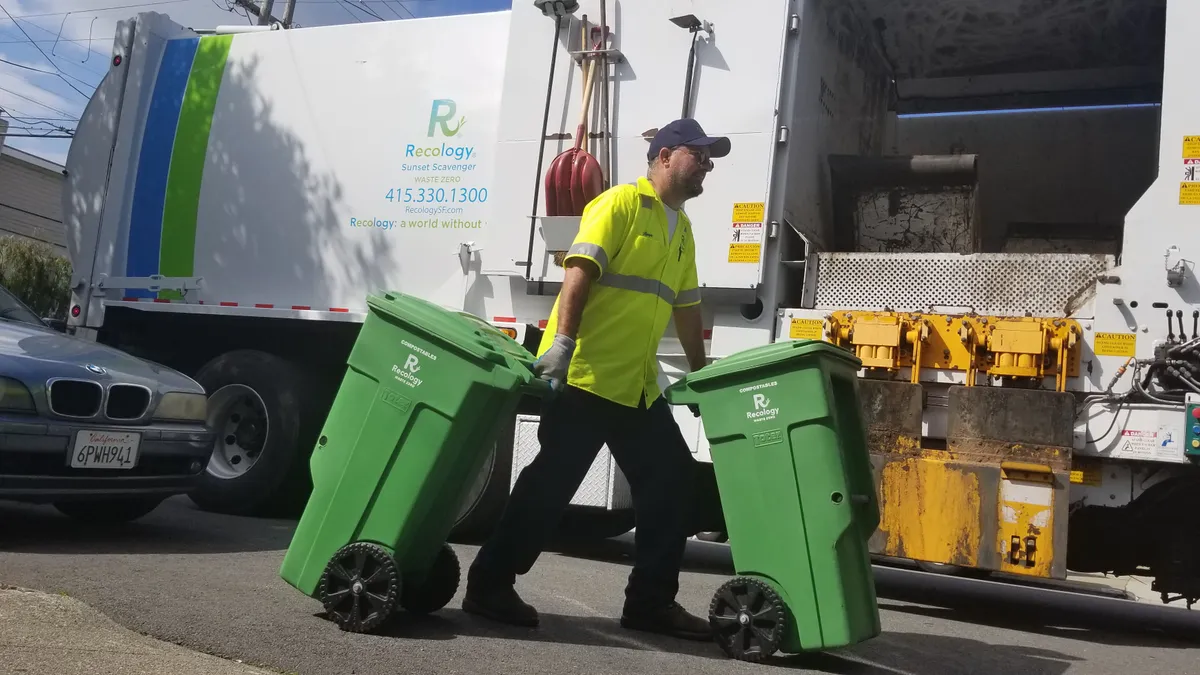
(586, 107)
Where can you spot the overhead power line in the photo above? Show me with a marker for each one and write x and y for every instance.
(84, 43)
(26, 98)
(21, 65)
(27, 134)
(50, 42)
(47, 72)
(43, 53)
(364, 9)
(28, 120)
(89, 10)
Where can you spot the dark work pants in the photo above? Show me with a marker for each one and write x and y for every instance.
(652, 453)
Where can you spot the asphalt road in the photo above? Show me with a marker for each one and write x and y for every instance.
(211, 583)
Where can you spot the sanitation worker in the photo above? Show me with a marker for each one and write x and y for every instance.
(630, 270)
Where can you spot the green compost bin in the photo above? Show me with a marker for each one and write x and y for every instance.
(789, 451)
(425, 393)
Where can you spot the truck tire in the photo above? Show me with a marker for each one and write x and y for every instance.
(485, 499)
(263, 409)
(589, 524)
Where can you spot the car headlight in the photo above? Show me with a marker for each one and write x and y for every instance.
(15, 396)
(182, 407)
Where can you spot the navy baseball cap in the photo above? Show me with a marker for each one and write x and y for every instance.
(687, 131)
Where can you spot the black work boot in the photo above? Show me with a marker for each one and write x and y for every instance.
(499, 602)
(671, 620)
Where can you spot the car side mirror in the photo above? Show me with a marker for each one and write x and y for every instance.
(59, 325)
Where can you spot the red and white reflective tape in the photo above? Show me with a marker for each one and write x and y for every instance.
(227, 303)
(510, 320)
(514, 320)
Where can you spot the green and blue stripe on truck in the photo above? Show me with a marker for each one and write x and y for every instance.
(166, 196)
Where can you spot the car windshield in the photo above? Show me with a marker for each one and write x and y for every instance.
(13, 310)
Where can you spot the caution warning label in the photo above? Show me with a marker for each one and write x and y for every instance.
(748, 212)
(1191, 170)
(744, 253)
(1189, 194)
(1086, 473)
(1140, 443)
(1148, 443)
(1115, 344)
(1191, 146)
(746, 233)
(807, 329)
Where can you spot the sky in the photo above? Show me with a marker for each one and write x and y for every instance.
(53, 53)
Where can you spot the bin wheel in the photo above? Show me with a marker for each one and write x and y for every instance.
(437, 588)
(360, 586)
(747, 618)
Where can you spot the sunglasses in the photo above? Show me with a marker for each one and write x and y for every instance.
(702, 155)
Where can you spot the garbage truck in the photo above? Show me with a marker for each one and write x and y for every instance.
(1019, 286)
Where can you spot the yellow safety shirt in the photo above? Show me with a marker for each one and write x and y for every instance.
(643, 278)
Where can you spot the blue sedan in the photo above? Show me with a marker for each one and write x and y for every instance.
(101, 434)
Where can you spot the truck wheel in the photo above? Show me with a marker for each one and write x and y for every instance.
(261, 407)
(589, 523)
(484, 504)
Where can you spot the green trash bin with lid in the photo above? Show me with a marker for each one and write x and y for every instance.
(789, 451)
(425, 393)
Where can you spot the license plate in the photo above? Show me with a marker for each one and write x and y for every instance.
(105, 450)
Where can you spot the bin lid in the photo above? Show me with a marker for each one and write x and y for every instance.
(771, 355)
(468, 333)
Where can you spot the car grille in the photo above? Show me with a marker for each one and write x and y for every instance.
(75, 398)
(127, 402)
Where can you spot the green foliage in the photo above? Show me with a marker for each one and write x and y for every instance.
(37, 275)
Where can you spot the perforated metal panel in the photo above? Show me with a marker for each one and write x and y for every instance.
(986, 283)
(603, 486)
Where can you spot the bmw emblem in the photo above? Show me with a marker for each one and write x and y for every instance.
(95, 369)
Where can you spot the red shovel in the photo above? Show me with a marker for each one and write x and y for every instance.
(574, 177)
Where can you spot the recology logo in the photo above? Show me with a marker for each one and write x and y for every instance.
(442, 119)
(442, 115)
(423, 161)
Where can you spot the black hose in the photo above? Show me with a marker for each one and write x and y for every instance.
(537, 181)
(687, 91)
(1182, 377)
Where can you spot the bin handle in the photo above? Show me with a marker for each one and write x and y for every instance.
(481, 323)
(539, 387)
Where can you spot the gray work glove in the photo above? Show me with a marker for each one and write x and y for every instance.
(553, 365)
